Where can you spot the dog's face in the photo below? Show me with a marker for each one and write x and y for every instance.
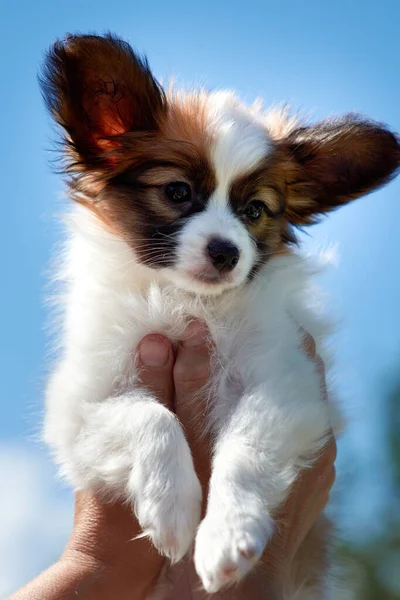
(200, 186)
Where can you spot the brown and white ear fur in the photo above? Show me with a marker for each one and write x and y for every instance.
(333, 162)
(97, 89)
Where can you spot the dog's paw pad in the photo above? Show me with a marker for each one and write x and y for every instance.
(229, 569)
(171, 526)
(226, 549)
(248, 552)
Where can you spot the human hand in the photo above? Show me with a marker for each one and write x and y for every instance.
(104, 561)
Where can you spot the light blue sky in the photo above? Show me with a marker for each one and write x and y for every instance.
(321, 57)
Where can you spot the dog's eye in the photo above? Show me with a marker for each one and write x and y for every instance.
(254, 210)
(178, 192)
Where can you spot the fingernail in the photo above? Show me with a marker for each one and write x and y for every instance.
(195, 335)
(153, 351)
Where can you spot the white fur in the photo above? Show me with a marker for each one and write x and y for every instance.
(216, 221)
(266, 408)
(240, 142)
(108, 434)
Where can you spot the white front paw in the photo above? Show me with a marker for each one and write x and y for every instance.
(170, 514)
(166, 493)
(227, 546)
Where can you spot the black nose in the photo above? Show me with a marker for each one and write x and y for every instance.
(223, 253)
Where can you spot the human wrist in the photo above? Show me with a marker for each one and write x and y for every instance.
(89, 580)
(97, 580)
(58, 581)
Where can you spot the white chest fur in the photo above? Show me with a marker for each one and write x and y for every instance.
(266, 408)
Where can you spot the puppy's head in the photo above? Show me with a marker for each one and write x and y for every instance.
(197, 184)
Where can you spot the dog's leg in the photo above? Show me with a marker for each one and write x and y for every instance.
(255, 462)
(132, 448)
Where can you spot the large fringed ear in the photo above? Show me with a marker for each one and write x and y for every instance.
(335, 161)
(97, 89)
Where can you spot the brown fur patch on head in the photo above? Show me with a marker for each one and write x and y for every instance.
(187, 119)
(267, 186)
(134, 201)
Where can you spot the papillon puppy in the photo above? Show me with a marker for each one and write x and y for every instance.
(186, 206)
